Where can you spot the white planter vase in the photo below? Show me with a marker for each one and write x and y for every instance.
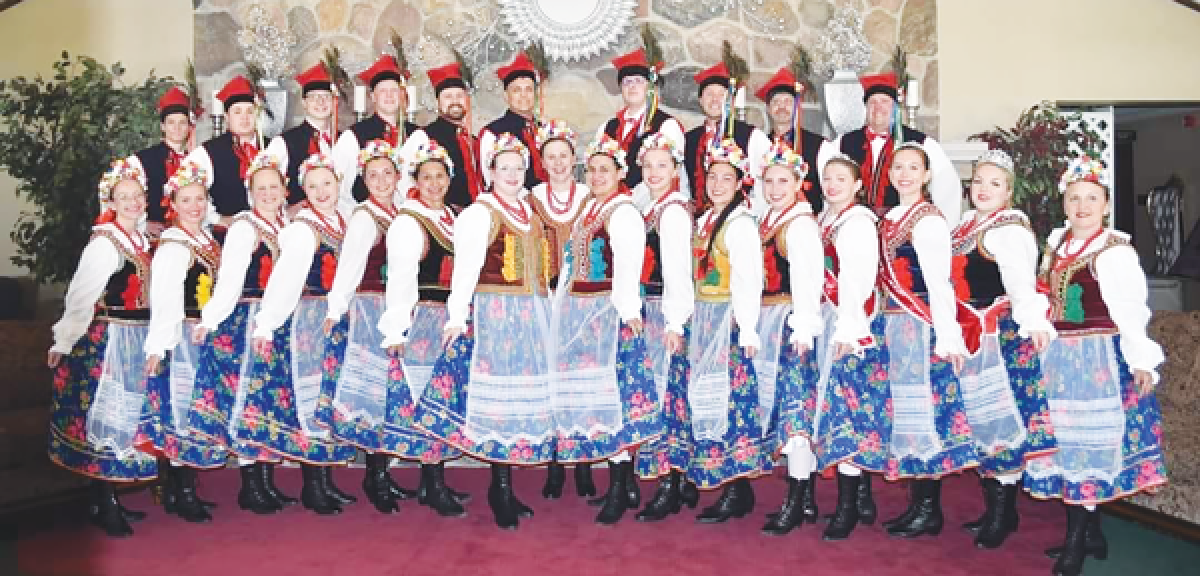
(844, 105)
(277, 102)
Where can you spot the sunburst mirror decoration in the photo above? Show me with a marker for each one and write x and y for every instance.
(568, 31)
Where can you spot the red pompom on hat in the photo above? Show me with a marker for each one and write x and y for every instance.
(315, 78)
(174, 101)
(633, 63)
(718, 74)
(782, 81)
(238, 90)
(448, 76)
(385, 68)
(880, 84)
(521, 67)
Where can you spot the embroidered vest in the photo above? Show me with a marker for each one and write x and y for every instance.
(974, 271)
(713, 271)
(437, 261)
(262, 260)
(833, 268)
(591, 254)
(126, 295)
(228, 190)
(201, 276)
(1077, 307)
(516, 261)
(898, 253)
(324, 263)
(652, 278)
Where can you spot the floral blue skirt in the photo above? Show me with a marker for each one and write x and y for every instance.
(282, 392)
(1109, 435)
(489, 394)
(729, 415)
(168, 398)
(674, 449)
(1015, 423)
(795, 392)
(218, 395)
(98, 392)
(930, 433)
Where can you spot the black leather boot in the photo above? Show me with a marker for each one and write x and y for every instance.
(689, 494)
(187, 505)
(1074, 552)
(332, 489)
(666, 500)
(791, 514)
(556, 477)
(1004, 519)
(375, 484)
(865, 501)
(916, 490)
(267, 471)
(584, 486)
(437, 495)
(1095, 544)
(167, 485)
(253, 495)
(501, 498)
(105, 511)
(736, 501)
(846, 516)
(313, 495)
(989, 487)
(809, 500)
(633, 488)
(616, 500)
(928, 518)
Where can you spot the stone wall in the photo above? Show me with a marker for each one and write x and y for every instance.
(583, 93)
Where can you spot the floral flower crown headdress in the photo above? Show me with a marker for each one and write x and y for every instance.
(607, 146)
(781, 154)
(188, 174)
(314, 162)
(1085, 169)
(378, 149)
(431, 152)
(265, 161)
(556, 130)
(659, 141)
(121, 169)
(509, 143)
(728, 152)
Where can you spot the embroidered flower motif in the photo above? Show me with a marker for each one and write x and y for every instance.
(547, 264)
(958, 275)
(204, 285)
(1073, 305)
(265, 264)
(133, 291)
(903, 271)
(509, 270)
(328, 270)
(597, 269)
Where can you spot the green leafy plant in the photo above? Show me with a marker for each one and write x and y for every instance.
(57, 137)
(1041, 144)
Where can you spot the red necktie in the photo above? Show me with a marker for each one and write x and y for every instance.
(535, 156)
(472, 169)
(873, 135)
(245, 152)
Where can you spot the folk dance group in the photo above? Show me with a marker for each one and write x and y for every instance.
(687, 315)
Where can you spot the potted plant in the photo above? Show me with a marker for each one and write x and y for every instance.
(1041, 144)
(57, 136)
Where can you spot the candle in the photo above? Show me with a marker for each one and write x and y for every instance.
(739, 100)
(218, 107)
(412, 98)
(360, 99)
(913, 96)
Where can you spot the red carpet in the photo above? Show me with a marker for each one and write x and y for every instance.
(560, 539)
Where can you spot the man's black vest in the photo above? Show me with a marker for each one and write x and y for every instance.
(634, 176)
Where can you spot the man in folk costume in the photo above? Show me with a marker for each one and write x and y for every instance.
(521, 84)
(161, 160)
(872, 147)
(452, 131)
(782, 93)
(641, 115)
(714, 92)
(225, 158)
(313, 136)
(389, 96)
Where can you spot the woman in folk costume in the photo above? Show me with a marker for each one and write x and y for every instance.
(790, 324)
(670, 298)
(604, 397)
(995, 276)
(372, 406)
(728, 413)
(1100, 371)
(248, 253)
(490, 391)
(97, 355)
(930, 434)
(852, 424)
(182, 274)
(558, 202)
(289, 344)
